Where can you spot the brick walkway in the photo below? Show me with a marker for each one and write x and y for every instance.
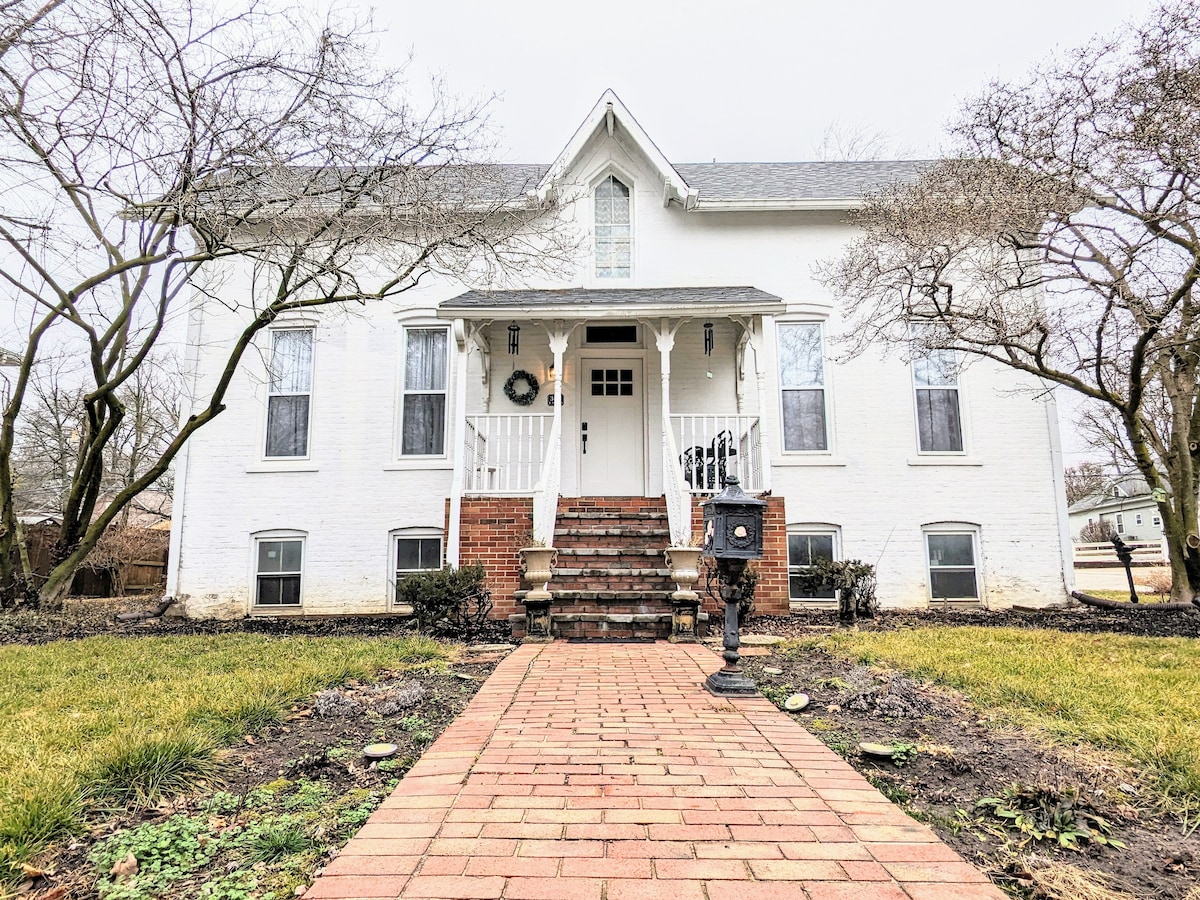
(606, 772)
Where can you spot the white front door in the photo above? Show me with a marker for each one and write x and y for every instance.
(611, 429)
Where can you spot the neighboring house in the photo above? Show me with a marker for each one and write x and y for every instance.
(1126, 504)
(694, 342)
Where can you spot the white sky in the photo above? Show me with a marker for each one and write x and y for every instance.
(736, 81)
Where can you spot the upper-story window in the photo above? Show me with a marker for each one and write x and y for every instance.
(939, 418)
(289, 392)
(612, 229)
(423, 413)
(802, 378)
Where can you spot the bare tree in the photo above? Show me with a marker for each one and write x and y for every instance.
(142, 141)
(1061, 240)
(842, 142)
(1084, 480)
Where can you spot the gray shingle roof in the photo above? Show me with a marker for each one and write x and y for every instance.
(796, 180)
(672, 296)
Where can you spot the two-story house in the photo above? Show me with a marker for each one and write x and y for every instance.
(694, 342)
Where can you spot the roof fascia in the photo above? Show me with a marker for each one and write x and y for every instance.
(616, 311)
(607, 111)
(781, 205)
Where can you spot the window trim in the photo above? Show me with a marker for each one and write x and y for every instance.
(301, 325)
(813, 528)
(408, 533)
(594, 278)
(955, 528)
(277, 534)
(402, 391)
(826, 390)
(962, 410)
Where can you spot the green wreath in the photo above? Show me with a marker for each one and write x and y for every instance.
(525, 398)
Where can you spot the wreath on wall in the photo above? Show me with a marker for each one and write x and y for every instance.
(525, 397)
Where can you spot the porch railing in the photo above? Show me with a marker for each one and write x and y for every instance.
(712, 447)
(505, 454)
(675, 489)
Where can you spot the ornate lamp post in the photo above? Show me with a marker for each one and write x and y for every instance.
(733, 536)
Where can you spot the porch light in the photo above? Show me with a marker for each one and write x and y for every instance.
(733, 525)
(550, 375)
(708, 338)
(514, 339)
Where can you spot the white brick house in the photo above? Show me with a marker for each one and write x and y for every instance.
(692, 341)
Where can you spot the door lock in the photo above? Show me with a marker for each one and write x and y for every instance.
(583, 435)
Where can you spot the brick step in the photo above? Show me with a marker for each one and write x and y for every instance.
(624, 558)
(608, 552)
(574, 596)
(627, 538)
(633, 516)
(610, 572)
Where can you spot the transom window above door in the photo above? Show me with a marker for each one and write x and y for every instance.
(612, 382)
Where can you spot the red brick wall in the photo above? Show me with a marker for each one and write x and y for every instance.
(491, 532)
(771, 594)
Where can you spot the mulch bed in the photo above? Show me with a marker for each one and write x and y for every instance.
(962, 758)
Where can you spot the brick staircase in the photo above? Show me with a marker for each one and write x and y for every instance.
(611, 581)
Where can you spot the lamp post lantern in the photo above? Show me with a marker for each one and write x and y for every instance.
(733, 536)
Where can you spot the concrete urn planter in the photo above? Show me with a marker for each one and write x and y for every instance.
(684, 566)
(537, 568)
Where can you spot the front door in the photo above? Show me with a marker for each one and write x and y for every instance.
(611, 429)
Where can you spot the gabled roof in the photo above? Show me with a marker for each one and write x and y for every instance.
(605, 114)
(799, 181)
(594, 302)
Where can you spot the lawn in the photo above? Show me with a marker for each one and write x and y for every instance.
(1138, 697)
(111, 721)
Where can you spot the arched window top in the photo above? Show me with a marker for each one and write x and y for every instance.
(612, 229)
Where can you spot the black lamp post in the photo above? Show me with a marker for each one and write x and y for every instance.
(733, 536)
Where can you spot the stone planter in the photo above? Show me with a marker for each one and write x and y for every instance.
(537, 568)
(684, 565)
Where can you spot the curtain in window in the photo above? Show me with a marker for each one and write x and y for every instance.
(291, 362)
(423, 426)
(938, 423)
(287, 425)
(288, 400)
(612, 229)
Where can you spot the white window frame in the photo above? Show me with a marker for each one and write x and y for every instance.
(403, 390)
(1137, 518)
(594, 270)
(266, 434)
(394, 572)
(954, 528)
(1157, 520)
(262, 537)
(824, 388)
(957, 387)
(813, 529)
(1120, 523)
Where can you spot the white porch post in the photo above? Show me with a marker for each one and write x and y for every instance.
(757, 336)
(463, 343)
(664, 339)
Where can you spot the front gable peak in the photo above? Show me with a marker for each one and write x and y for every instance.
(608, 111)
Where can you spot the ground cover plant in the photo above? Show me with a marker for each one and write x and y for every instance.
(1060, 762)
(110, 724)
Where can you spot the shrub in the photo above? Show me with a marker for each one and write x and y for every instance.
(450, 601)
(748, 582)
(853, 579)
(1099, 532)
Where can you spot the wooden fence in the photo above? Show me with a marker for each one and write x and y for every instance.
(146, 574)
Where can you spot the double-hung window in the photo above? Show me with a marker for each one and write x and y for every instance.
(953, 573)
(802, 378)
(417, 554)
(289, 392)
(423, 413)
(939, 419)
(613, 259)
(804, 549)
(279, 564)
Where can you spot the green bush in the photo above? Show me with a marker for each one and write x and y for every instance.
(449, 601)
(853, 579)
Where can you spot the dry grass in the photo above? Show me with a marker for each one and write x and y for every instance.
(115, 720)
(1138, 697)
(1060, 881)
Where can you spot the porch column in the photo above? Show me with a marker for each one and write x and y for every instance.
(757, 335)
(559, 338)
(463, 344)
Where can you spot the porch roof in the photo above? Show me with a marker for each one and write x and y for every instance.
(595, 303)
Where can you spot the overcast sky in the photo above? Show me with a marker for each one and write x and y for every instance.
(735, 81)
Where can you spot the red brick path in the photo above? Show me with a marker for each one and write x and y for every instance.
(605, 772)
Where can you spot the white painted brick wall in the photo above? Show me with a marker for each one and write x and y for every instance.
(355, 489)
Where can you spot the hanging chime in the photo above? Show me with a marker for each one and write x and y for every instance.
(708, 338)
(514, 339)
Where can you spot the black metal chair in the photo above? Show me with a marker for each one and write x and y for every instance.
(692, 460)
(719, 451)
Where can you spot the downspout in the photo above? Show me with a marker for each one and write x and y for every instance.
(179, 496)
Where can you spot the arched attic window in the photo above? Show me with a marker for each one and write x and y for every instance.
(612, 229)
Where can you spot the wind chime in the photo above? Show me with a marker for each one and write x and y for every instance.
(708, 338)
(514, 339)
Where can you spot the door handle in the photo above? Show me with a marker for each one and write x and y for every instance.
(583, 435)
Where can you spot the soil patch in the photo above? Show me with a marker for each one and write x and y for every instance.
(956, 757)
(306, 774)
